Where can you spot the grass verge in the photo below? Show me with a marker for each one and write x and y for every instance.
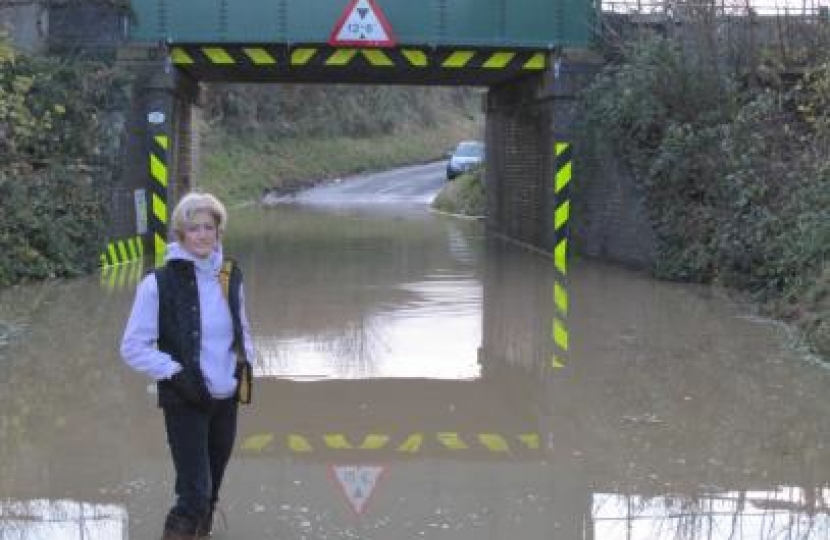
(463, 196)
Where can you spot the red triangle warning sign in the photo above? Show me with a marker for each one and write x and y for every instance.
(358, 483)
(362, 25)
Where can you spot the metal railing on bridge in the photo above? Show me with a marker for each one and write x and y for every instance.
(803, 10)
(790, 29)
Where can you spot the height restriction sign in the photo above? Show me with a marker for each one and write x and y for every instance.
(362, 25)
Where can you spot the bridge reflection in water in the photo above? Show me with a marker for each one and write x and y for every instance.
(657, 426)
(602, 448)
(782, 513)
(62, 519)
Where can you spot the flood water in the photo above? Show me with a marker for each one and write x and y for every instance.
(406, 389)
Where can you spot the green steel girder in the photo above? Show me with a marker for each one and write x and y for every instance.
(532, 24)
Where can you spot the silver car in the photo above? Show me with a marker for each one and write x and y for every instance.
(466, 156)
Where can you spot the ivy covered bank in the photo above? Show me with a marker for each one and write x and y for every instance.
(60, 133)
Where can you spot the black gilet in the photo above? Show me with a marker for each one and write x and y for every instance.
(179, 318)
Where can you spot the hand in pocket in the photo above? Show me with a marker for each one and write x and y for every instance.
(191, 386)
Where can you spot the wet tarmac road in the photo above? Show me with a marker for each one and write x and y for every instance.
(405, 389)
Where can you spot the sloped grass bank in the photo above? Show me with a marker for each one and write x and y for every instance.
(240, 170)
(464, 196)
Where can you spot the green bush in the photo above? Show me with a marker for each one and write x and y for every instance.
(736, 178)
(58, 159)
(302, 111)
(661, 112)
(52, 224)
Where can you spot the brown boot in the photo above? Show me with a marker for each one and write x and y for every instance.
(205, 526)
(180, 528)
(214, 520)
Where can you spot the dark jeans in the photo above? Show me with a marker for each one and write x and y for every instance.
(200, 443)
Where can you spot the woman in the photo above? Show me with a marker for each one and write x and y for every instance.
(185, 332)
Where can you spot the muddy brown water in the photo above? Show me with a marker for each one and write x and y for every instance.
(406, 389)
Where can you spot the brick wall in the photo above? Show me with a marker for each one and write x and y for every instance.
(525, 119)
(518, 163)
(25, 25)
(609, 219)
(92, 26)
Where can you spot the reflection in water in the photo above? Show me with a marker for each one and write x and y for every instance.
(358, 483)
(433, 335)
(405, 343)
(43, 519)
(395, 297)
(758, 515)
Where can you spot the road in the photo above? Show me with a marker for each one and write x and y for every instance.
(416, 184)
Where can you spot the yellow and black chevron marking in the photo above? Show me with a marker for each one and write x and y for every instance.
(158, 165)
(122, 251)
(122, 276)
(281, 57)
(406, 444)
(562, 181)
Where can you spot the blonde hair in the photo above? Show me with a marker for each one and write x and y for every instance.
(197, 202)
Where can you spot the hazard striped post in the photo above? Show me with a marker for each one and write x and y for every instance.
(562, 210)
(124, 276)
(122, 251)
(158, 164)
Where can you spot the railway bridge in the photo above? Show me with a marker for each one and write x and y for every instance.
(513, 48)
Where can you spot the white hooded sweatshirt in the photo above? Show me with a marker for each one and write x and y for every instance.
(216, 359)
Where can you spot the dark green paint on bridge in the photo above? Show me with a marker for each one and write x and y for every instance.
(533, 24)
